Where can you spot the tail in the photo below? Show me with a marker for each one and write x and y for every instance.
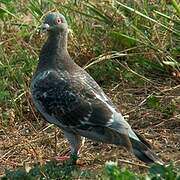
(143, 152)
(131, 140)
(134, 143)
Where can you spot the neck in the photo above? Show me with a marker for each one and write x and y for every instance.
(54, 53)
(59, 40)
(56, 42)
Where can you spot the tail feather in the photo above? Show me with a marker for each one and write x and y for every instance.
(131, 140)
(143, 140)
(144, 153)
(136, 144)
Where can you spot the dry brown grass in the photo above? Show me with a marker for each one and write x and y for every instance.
(34, 141)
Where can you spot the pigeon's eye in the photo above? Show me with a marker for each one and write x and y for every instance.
(58, 21)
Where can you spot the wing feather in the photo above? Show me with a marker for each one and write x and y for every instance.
(69, 100)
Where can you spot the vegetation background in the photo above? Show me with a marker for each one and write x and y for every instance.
(131, 48)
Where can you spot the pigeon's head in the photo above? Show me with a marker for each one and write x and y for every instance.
(55, 23)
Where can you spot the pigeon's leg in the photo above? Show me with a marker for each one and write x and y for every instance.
(75, 144)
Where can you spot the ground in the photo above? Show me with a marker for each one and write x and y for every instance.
(35, 141)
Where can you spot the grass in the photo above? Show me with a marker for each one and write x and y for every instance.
(53, 170)
(132, 49)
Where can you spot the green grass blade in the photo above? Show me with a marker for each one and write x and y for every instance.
(176, 6)
(99, 13)
(167, 17)
(3, 10)
(82, 13)
(148, 18)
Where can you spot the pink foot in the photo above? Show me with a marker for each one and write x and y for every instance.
(62, 158)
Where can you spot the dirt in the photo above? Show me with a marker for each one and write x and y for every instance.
(35, 141)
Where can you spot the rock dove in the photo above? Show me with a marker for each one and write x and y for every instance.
(67, 96)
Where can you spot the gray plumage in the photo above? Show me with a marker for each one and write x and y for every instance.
(68, 97)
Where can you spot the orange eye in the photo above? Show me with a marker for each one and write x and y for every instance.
(58, 21)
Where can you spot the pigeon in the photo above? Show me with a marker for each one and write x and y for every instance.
(67, 96)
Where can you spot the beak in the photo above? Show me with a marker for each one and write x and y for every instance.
(45, 27)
